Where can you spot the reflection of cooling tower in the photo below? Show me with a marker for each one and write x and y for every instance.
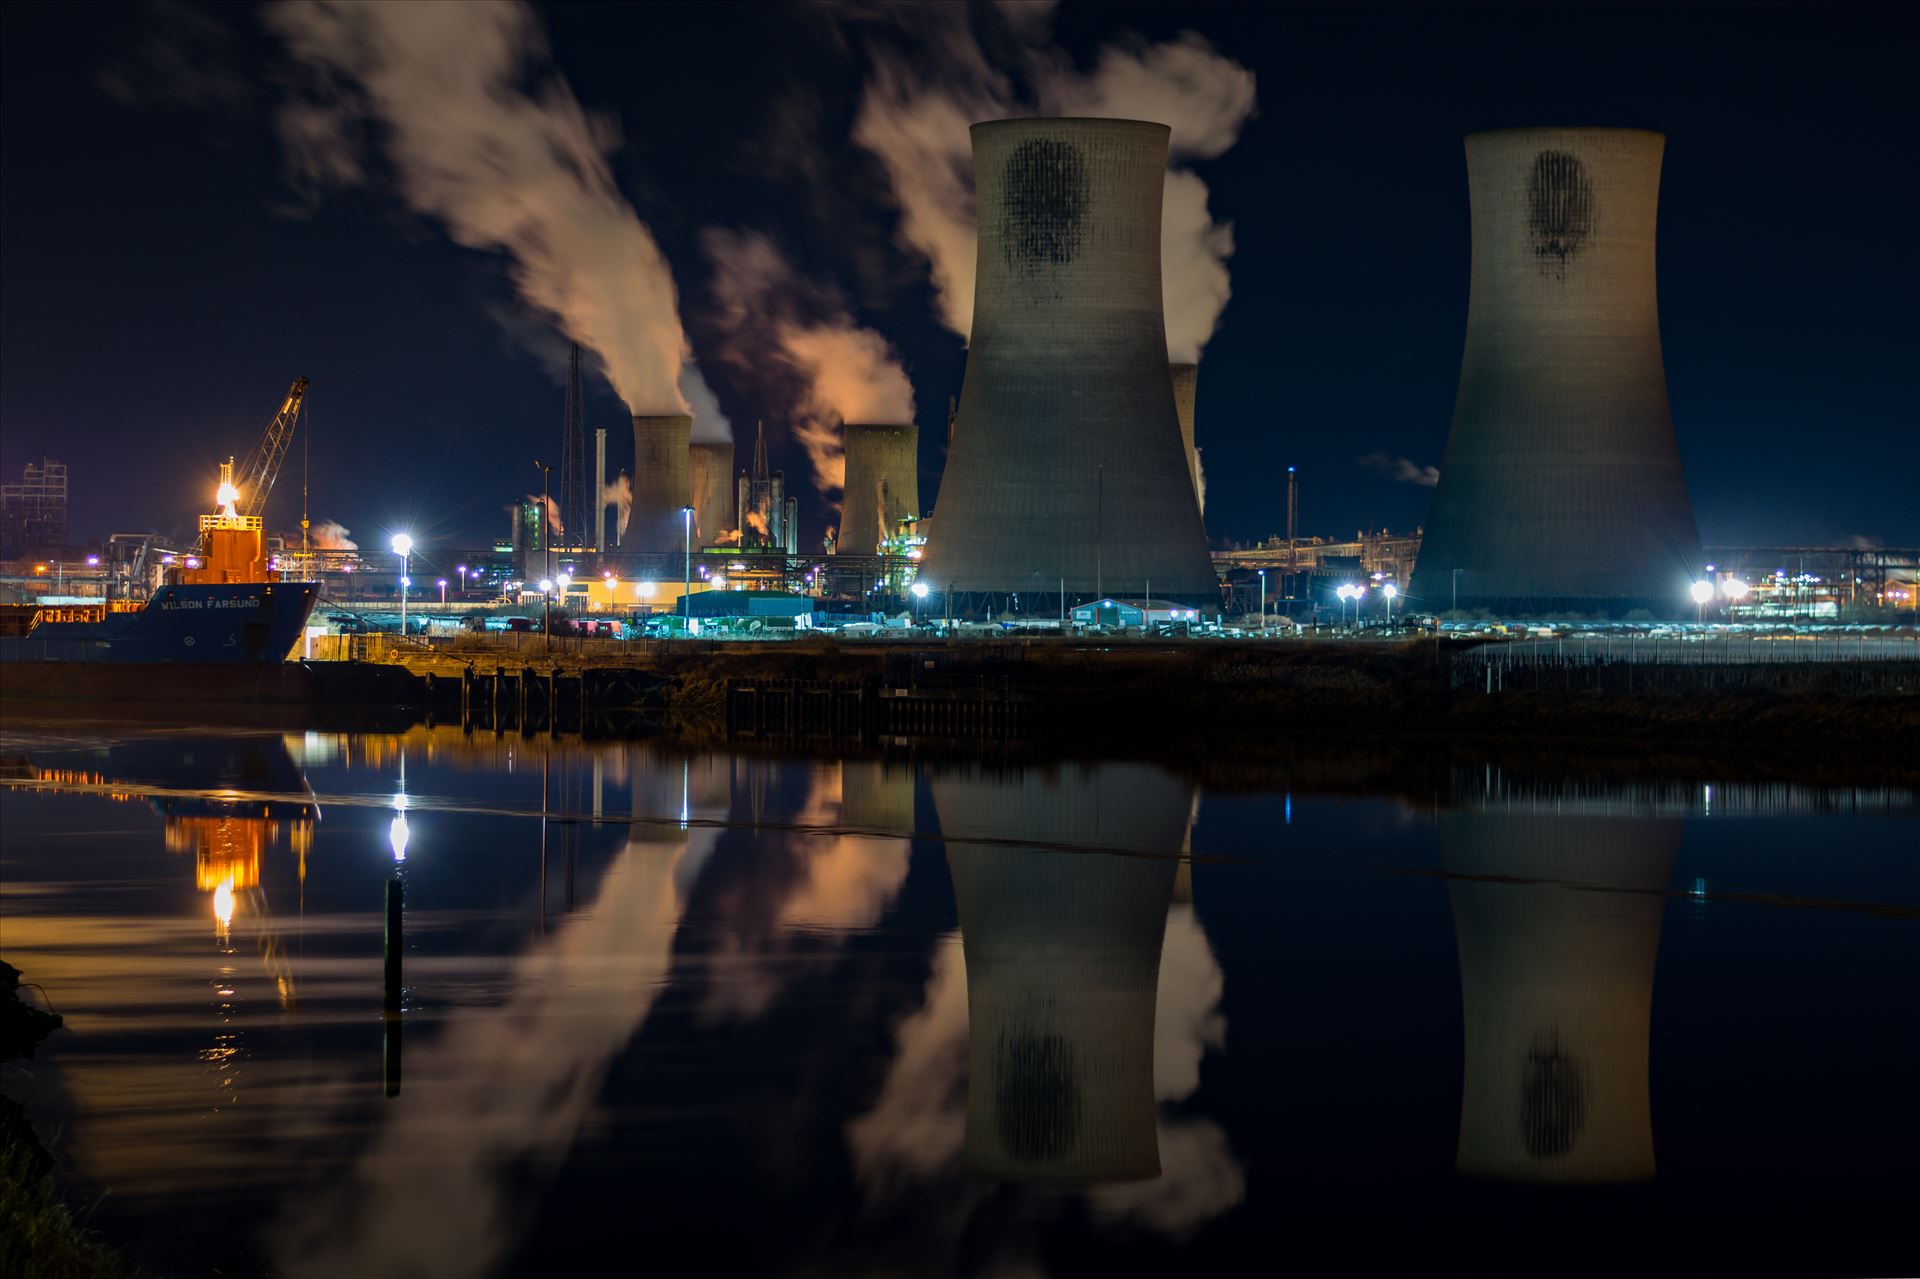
(1063, 962)
(883, 484)
(1066, 449)
(874, 797)
(660, 489)
(1186, 389)
(1561, 489)
(1558, 991)
(710, 476)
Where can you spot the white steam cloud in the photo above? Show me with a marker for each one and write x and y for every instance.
(505, 168)
(1402, 470)
(331, 535)
(914, 119)
(841, 372)
(554, 527)
(618, 492)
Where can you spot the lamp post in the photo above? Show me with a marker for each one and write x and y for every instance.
(403, 547)
(1345, 593)
(462, 570)
(443, 592)
(1702, 592)
(1263, 602)
(686, 593)
(919, 592)
(1359, 593)
(1390, 590)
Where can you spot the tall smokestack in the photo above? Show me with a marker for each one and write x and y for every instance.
(882, 486)
(660, 487)
(1186, 388)
(777, 510)
(1066, 458)
(710, 473)
(743, 498)
(600, 488)
(1561, 489)
(790, 526)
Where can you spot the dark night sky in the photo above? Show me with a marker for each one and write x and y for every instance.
(162, 283)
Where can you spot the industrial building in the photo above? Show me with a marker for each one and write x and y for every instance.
(1186, 390)
(1066, 469)
(33, 513)
(661, 491)
(1561, 489)
(882, 490)
(710, 474)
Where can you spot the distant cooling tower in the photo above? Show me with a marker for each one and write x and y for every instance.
(660, 488)
(710, 475)
(1186, 388)
(883, 484)
(1066, 449)
(1561, 489)
(1558, 923)
(1063, 965)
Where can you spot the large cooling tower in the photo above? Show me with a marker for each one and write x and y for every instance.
(710, 475)
(1561, 488)
(1063, 963)
(1558, 924)
(883, 484)
(660, 488)
(1186, 389)
(1066, 448)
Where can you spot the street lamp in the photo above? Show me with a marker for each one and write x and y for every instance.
(462, 570)
(443, 592)
(1702, 592)
(919, 592)
(686, 592)
(403, 547)
(1389, 590)
(1735, 590)
(1263, 602)
(1345, 593)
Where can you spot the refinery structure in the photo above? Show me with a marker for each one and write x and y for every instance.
(1561, 489)
(1073, 483)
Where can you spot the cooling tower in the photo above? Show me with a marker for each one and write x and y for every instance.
(883, 484)
(1066, 460)
(1063, 965)
(660, 489)
(1561, 488)
(1186, 388)
(1558, 924)
(710, 475)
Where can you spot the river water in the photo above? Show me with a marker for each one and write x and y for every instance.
(728, 1014)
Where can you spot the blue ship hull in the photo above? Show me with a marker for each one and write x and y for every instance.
(253, 622)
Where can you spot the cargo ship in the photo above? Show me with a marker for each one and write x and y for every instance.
(226, 611)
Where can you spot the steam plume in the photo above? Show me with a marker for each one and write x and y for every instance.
(839, 371)
(619, 492)
(504, 168)
(1403, 470)
(330, 535)
(914, 119)
(554, 527)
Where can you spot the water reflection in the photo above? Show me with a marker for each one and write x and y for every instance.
(1558, 924)
(859, 1014)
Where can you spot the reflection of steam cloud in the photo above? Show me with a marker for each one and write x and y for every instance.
(1063, 958)
(501, 1094)
(1558, 991)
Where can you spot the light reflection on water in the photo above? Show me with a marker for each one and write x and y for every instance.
(892, 1015)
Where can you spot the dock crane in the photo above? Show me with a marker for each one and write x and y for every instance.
(256, 475)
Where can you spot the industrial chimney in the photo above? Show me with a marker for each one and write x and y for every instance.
(660, 489)
(1063, 964)
(1561, 489)
(882, 486)
(1186, 387)
(710, 474)
(1066, 465)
